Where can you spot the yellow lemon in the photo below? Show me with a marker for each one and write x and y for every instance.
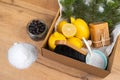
(60, 25)
(75, 41)
(72, 19)
(69, 30)
(82, 28)
(53, 37)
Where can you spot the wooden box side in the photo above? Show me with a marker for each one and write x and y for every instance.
(51, 29)
(74, 63)
(113, 54)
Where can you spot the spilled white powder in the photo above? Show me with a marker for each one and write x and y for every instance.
(22, 55)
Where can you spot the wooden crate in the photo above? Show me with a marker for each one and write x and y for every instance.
(74, 63)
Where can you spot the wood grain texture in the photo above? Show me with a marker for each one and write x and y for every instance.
(42, 6)
(13, 21)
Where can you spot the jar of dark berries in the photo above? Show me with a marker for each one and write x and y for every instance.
(37, 29)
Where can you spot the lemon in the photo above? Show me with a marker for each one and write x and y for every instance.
(60, 25)
(75, 41)
(53, 37)
(69, 30)
(72, 19)
(82, 28)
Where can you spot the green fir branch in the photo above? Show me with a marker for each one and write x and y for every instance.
(90, 13)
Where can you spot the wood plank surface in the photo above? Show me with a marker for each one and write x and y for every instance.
(42, 6)
(13, 21)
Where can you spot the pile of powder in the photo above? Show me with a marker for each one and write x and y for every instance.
(22, 55)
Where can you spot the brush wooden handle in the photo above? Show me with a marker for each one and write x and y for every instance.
(63, 42)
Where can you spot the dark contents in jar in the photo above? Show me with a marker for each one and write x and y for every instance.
(36, 27)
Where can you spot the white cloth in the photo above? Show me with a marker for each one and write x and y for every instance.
(115, 33)
(59, 18)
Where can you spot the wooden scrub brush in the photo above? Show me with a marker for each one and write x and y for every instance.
(66, 49)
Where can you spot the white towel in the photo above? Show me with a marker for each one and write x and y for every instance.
(115, 33)
(60, 16)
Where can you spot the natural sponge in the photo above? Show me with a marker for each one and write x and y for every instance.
(22, 55)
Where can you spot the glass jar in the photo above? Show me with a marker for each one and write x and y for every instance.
(37, 29)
